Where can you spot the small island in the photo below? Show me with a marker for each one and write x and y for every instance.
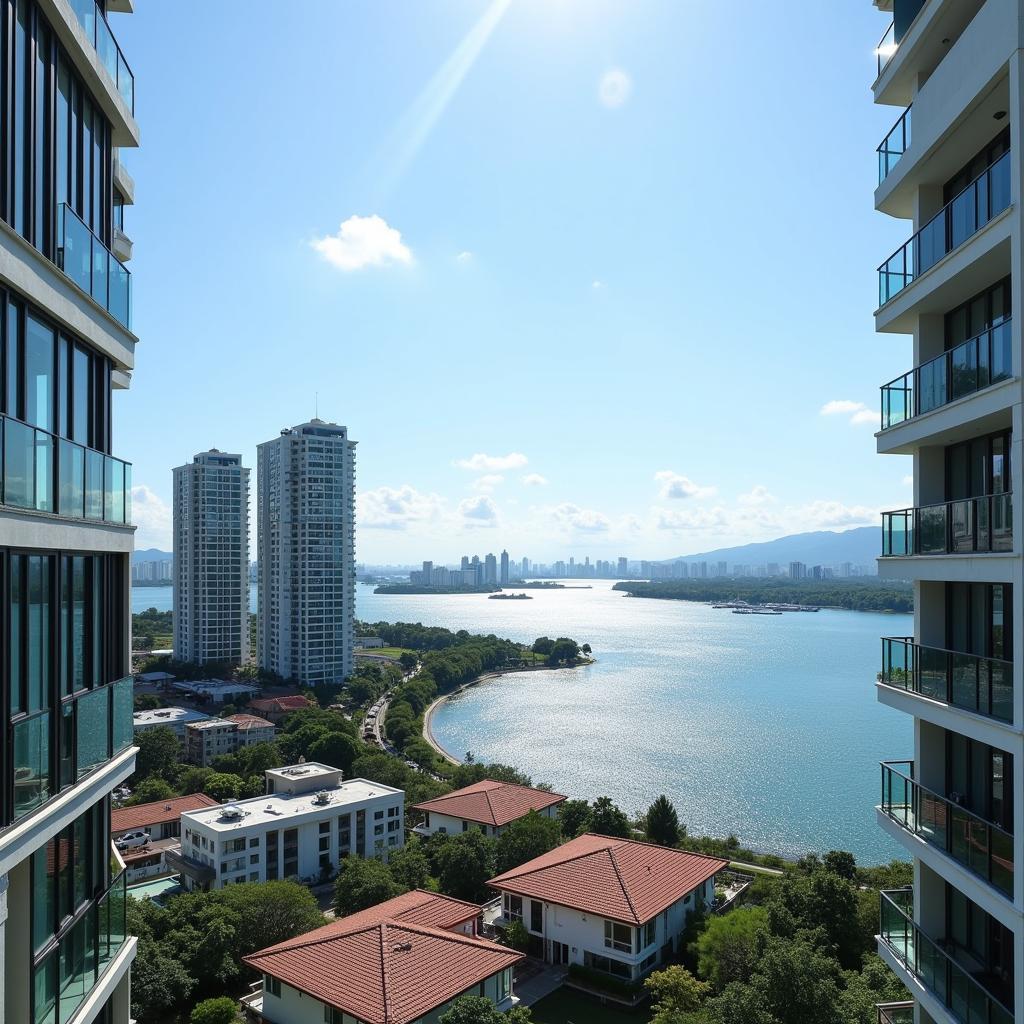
(509, 597)
(418, 588)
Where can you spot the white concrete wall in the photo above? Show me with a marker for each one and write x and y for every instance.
(453, 826)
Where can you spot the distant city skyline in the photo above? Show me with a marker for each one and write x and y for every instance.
(514, 283)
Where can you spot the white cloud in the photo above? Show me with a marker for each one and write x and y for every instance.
(464, 257)
(757, 496)
(829, 515)
(597, 285)
(363, 242)
(488, 482)
(673, 485)
(478, 511)
(858, 412)
(534, 480)
(583, 520)
(396, 508)
(481, 463)
(614, 88)
(691, 519)
(152, 518)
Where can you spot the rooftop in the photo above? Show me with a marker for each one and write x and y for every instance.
(620, 879)
(293, 703)
(214, 686)
(261, 810)
(167, 716)
(123, 819)
(249, 722)
(491, 803)
(384, 972)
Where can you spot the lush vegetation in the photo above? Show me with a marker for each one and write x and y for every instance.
(152, 629)
(862, 595)
(420, 588)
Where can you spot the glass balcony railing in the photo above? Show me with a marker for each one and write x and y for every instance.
(886, 47)
(893, 146)
(93, 20)
(967, 526)
(100, 722)
(981, 685)
(63, 981)
(92, 266)
(953, 984)
(895, 1013)
(46, 473)
(979, 845)
(954, 224)
(972, 366)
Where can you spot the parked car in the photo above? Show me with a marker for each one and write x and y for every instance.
(132, 840)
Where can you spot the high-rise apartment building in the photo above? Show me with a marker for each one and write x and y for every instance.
(65, 512)
(955, 800)
(490, 569)
(504, 568)
(306, 553)
(211, 559)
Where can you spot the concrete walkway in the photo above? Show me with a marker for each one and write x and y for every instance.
(540, 984)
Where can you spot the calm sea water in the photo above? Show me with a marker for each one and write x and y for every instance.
(763, 726)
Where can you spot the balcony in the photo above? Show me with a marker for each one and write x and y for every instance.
(92, 266)
(966, 214)
(92, 19)
(981, 846)
(959, 987)
(967, 681)
(887, 47)
(895, 1013)
(893, 146)
(967, 526)
(972, 366)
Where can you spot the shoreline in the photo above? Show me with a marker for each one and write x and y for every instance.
(428, 733)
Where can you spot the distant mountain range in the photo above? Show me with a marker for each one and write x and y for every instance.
(152, 555)
(861, 546)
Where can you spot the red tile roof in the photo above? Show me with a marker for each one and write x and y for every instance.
(123, 819)
(491, 803)
(388, 972)
(617, 878)
(295, 703)
(249, 722)
(420, 907)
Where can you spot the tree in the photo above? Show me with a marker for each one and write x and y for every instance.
(730, 945)
(150, 791)
(270, 912)
(464, 863)
(337, 749)
(363, 883)
(408, 660)
(607, 820)
(563, 650)
(159, 982)
(662, 823)
(574, 817)
(222, 1010)
(542, 645)
(410, 867)
(675, 991)
(192, 779)
(478, 1010)
(223, 787)
(147, 702)
(515, 936)
(159, 753)
(524, 839)
(841, 863)
(586, 649)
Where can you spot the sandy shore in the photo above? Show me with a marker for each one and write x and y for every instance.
(428, 734)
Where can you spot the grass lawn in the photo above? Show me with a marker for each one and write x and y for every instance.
(387, 652)
(564, 1006)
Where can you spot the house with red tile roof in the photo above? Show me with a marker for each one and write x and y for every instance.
(613, 905)
(275, 708)
(401, 962)
(488, 805)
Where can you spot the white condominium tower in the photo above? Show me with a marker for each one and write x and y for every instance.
(953, 71)
(66, 344)
(306, 553)
(211, 559)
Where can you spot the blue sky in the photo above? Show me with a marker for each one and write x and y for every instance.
(579, 275)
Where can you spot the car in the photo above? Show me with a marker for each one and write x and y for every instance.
(132, 840)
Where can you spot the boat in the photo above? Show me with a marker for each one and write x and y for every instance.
(755, 611)
(509, 597)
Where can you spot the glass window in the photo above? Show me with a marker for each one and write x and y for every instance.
(22, 103)
(71, 498)
(41, 177)
(38, 647)
(43, 894)
(93, 729)
(19, 465)
(618, 936)
(45, 985)
(80, 396)
(39, 375)
(63, 119)
(31, 764)
(12, 361)
(77, 965)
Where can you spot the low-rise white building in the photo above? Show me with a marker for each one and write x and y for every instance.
(217, 691)
(205, 741)
(176, 719)
(308, 822)
(616, 906)
(487, 805)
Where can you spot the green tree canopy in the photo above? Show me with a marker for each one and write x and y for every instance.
(729, 947)
(662, 823)
(362, 883)
(222, 1010)
(607, 820)
(674, 992)
(223, 787)
(464, 863)
(525, 839)
(478, 1010)
(410, 867)
(574, 818)
(159, 754)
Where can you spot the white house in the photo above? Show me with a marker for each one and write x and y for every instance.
(401, 962)
(175, 719)
(306, 824)
(489, 806)
(612, 905)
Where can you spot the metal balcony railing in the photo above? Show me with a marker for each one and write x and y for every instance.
(893, 146)
(965, 526)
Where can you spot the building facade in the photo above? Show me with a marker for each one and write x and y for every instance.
(211, 559)
(215, 737)
(65, 511)
(306, 546)
(308, 822)
(489, 806)
(953, 73)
